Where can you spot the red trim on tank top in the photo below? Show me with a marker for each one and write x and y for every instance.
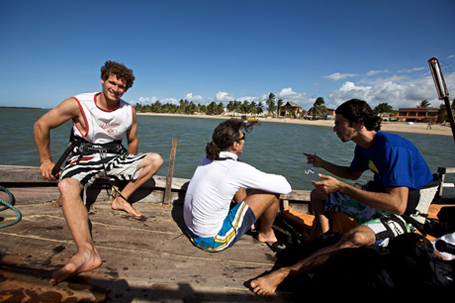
(85, 119)
(105, 110)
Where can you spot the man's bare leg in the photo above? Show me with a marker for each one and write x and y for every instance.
(321, 221)
(357, 237)
(240, 195)
(148, 167)
(76, 215)
(265, 207)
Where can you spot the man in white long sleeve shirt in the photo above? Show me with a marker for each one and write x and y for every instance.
(220, 178)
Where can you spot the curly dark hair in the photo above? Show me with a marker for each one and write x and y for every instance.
(224, 135)
(358, 111)
(120, 70)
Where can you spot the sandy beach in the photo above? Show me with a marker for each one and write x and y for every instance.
(420, 128)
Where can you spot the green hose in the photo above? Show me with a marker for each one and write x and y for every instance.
(9, 205)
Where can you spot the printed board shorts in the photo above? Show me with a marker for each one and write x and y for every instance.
(385, 225)
(237, 223)
(88, 168)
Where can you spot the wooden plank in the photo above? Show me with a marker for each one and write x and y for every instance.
(12, 176)
(442, 171)
(170, 173)
(27, 176)
(22, 174)
(297, 195)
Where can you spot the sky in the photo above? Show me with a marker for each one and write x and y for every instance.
(220, 51)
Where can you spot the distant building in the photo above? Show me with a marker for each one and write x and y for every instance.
(330, 114)
(417, 114)
(290, 108)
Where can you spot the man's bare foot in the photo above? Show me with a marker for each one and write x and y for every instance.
(253, 228)
(266, 286)
(80, 262)
(267, 237)
(120, 204)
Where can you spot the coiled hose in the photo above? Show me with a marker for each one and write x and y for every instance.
(9, 205)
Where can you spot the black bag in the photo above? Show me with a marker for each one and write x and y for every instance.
(406, 265)
(414, 264)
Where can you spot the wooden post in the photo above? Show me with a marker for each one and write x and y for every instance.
(442, 171)
(170, 172)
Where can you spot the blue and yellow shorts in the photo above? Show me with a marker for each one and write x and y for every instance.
(237, 223)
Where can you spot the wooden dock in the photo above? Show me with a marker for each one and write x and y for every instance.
(144, 260)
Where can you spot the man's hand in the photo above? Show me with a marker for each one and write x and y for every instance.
(329, 185)
(317, 161)
(46, 170)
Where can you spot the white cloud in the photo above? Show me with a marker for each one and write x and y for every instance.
(287, 94)
(254, 98)
(170, 101)
(379, 80)
(145, 100)
(195, 99)
(224, 97)
(415, 69)
(397, 91)
(338, 76)
(375, 72)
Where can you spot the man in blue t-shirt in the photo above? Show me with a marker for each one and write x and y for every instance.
(402, 188)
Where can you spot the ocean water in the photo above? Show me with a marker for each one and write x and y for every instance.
(271, 147)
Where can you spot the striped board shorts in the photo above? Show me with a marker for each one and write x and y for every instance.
(237, 223)
(86, 169)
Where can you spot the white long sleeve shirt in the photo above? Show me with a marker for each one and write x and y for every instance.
(213, 186)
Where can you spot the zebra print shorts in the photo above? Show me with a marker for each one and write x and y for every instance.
(86, 169)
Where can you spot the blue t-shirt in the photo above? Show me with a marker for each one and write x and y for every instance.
(394, 160)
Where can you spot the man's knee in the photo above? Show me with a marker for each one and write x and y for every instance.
(317, 196)
(358, 237)
(155, 160)
(68, 184)
(271, 198)
(317, 199)
(69, 189)
(259, 201)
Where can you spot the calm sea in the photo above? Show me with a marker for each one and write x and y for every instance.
(271, 147)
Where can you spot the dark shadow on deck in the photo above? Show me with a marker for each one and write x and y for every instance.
(112, 290)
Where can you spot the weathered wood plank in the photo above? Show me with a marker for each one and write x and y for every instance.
(442, 172)
(152, 191)
(31, 175)
(170, 173)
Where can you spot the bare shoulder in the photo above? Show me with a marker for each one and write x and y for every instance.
(68, 109)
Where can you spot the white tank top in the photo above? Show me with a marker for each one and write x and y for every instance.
(103, 126)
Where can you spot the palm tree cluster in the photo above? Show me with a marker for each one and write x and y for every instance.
(271, 107)
(191, 108)
(318, 108)
(245, 107)
(184, 107)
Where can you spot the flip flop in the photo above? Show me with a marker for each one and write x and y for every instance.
(276, 246)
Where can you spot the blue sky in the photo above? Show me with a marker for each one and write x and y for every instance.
(228, 50)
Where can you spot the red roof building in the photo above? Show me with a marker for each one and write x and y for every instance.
(417, 114)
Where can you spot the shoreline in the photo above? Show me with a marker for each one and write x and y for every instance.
(418, 128)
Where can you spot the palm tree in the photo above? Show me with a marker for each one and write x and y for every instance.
(318, 108)
(259, 108)
(279, 104)
(271, 103)
(423, 104)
